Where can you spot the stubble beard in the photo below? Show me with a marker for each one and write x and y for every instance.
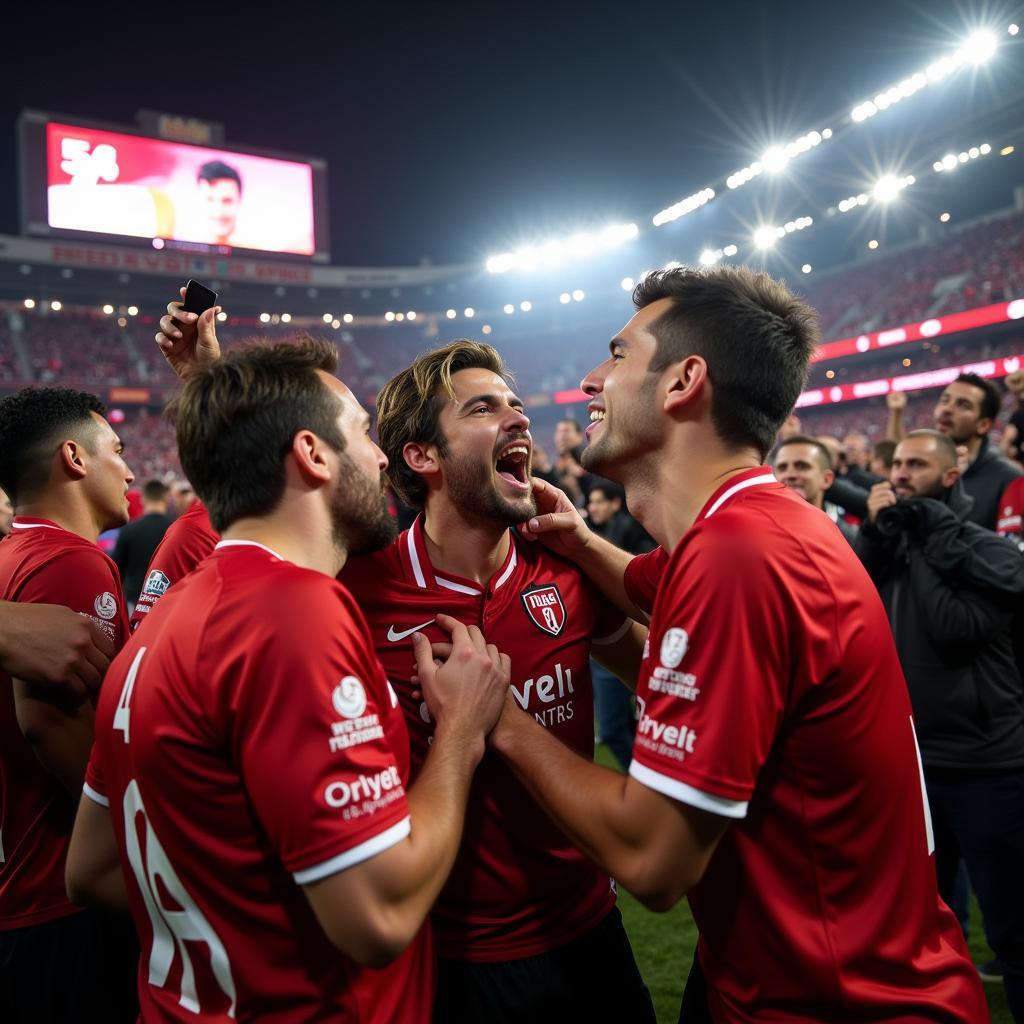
(472, 489)
(360, 521)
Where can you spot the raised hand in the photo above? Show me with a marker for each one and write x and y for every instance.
(186, 340)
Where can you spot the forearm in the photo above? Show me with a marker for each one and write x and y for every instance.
(437, 806)
(584, 799)
(894, 428)
(605, 566)
(60, 736)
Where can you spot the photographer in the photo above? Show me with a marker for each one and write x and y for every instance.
(950, 588)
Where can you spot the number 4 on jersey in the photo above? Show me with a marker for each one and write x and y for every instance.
(122, 714)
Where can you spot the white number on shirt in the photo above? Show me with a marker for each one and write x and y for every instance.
(171, 928)
(122, 714)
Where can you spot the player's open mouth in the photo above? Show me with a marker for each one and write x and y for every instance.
(512, 465)
(596, 418)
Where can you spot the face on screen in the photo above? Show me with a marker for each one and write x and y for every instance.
(220, 201)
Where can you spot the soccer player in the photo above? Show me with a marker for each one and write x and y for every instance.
(527, 920)
(249, 747)
(775, 778)
(61, 463)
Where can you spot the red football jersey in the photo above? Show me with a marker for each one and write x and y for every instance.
(772, 695)
(1011, 510)
(42, 563)
(643, 577)
(188, 540)
(248, 743)
(518, 887)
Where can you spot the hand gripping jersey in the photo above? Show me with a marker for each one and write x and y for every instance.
(772, 695)
(42, 563)
(188, 540)
(518, 887)
(248, 743)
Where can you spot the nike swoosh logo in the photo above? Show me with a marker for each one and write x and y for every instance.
(395, 637)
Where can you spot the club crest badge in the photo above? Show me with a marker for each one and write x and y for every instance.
(105, 605)
(156, 583)
(545, 607)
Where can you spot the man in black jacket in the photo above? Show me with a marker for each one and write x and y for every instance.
(138, 539)
(950, 588)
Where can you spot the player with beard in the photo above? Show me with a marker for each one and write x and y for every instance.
(775, 777)
(248, 796)
(527, 923)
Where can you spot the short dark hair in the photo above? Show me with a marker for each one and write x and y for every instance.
(217, 170)
(155, 490)
(884, 450)
(756, 337)
(409, 407)
(34, 422)
(824, 454)
(610, 489)
(991, 397)
(944, 442)
(236, 418)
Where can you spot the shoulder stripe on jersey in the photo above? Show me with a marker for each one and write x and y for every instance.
(94, 796)
(604, 641)
(687, 794)
(364, 851)
(414, 558)
(248, 543)
(768, 477)
(35, 526)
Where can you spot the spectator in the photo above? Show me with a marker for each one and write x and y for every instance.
(804, 465)
(1013, 437)
(881, 457)
(137, 540)
(957, 585)
(966, 412)
(571, 476)
(848, 496)
(182, 497)
(858, 450)
(613, 703)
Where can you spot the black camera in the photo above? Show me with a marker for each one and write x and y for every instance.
(896, 519)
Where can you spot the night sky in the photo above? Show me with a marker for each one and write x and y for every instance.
(452, 131)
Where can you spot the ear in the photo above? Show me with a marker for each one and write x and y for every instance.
(421, 458)
(984, 425)
(951, 476)
(72, 459)
(828, 479)
(685, 382)
(310, 455)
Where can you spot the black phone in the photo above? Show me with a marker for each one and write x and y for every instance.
(198, 298)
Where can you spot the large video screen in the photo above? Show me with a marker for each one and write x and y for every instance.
(102, 182)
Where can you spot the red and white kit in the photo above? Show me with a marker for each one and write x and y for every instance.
(247, 744)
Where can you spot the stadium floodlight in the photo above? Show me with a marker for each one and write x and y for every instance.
(578, 295)
(509, 308)
(730, 250)
(133, 310)
(774, 159)
(873, 244)
(944, 217)
(552, 253)
(389, 316)
(328, 317)
(683, 207)
(286, 318)
(886, 188)
(411, 315)
(399, 317)
(979, 47)
(264, 318)
(765, 237)
(108, 309)
(628, 284)
(56, 305)
(709, 257)
(335, 324)
(30, 303)
(469, 312)
(1013, 28)
(807, 268)
(222, 317)
(348, 318)
(526, 305)
(486, 329)
(451, 314)
(565, 298)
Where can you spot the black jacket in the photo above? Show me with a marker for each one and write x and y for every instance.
(984, 480)
(950, 588)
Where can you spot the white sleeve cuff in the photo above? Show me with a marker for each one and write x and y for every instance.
(94, 796)
(364, 851)
(687, 794)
